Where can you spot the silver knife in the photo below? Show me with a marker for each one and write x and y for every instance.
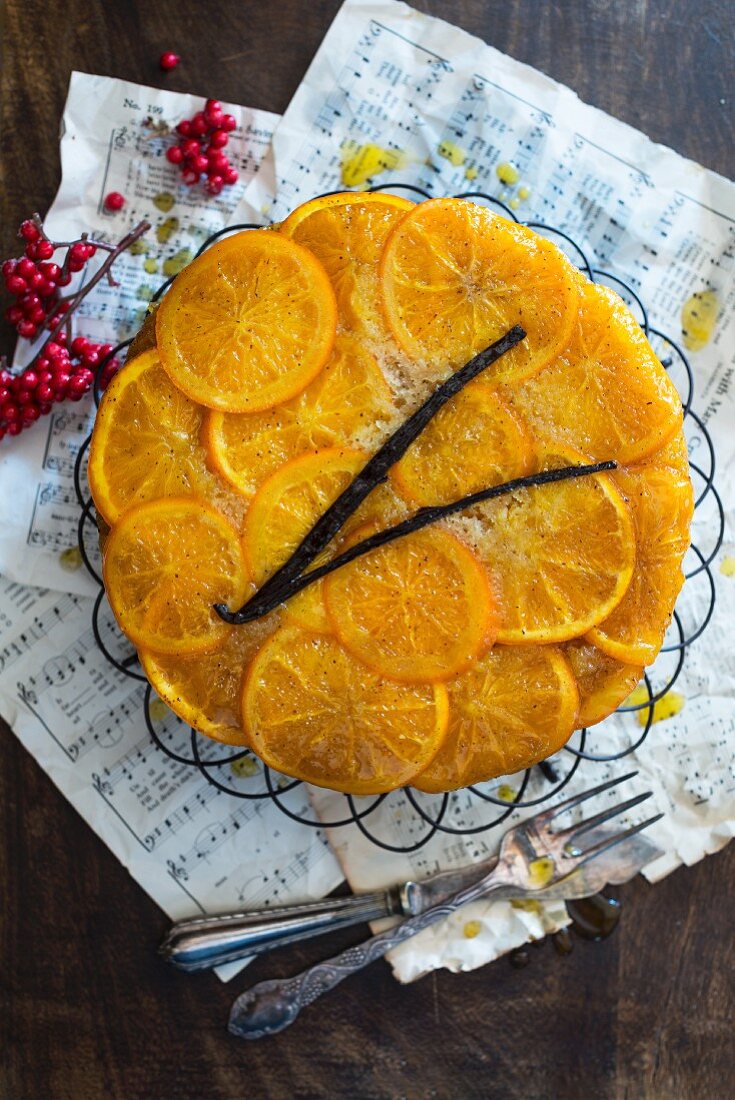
(205, 942)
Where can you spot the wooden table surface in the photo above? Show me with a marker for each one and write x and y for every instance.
(88, 1011)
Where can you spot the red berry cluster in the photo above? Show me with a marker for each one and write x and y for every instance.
(65, 371)
(35, 280)
(200, 153)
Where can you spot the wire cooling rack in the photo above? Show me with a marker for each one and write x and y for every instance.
(239, 774)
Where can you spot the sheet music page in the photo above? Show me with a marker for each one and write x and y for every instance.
(193, 847)
(114, 135)
(394, 96)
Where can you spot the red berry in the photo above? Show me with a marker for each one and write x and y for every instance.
(28, 380)
(38, 316)
(175, 154)
(31, 413)
(26, 268)
(199, 124)
(27, 329)
(108, 373)
(114, 201)
(228, 122)
(64, 279)
(218, 139)
(29, 302)
(45, 407)
(16, 285)
(78, 386)
(231, 175)
(44, 250)
(184, 128)
(191, 177)
(91, 357)
(54, 351)
(79, 344)
(199, 163)
(15, 428)
(214, 185)
(13, 314)
(50, 271)
(46, 288)
(190, 148)
(92, 248)
(168, 61)
(86, 375)
(9, 410)
(29, 231)
(4, 395)
(104, 349)
(78, 252)
(44, 392)
(8, 267)
(218, 162)
(61, 338)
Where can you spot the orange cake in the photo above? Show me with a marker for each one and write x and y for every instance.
(277, 377)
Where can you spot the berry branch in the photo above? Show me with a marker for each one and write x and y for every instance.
(62, 367)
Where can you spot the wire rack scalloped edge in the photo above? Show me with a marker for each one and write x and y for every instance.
(431, 814)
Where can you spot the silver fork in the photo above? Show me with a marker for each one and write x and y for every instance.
(531, 858)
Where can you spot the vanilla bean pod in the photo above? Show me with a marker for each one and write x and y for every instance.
(372, 474)
(425, 516)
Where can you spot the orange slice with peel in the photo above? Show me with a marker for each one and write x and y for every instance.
(145, 442)
(561, 555)
(205, 690)
(454, 277)
(417, 610)
(661, 501)
(625, 404)
(284, 510)
(312, 711)
(473, 442)
(167, 562)
(603, 682)
(248, 324)
(346, 232)
(513, 708)
(348, 401)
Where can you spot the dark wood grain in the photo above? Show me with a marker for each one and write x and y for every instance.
(87, 1009)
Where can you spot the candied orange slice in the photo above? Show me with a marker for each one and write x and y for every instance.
(248, 324)
(603, 682)
(514, 707)
(167, 562)
(284, 510)
(346, 232)
(419, 609)
(348, 402)
(145, 442)
(204, 690)
(661, 501)
(473, 442)
(561, 555)
(455, 277)
(312, 711)
(607, 393)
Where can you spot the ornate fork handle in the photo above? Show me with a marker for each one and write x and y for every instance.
(271, 1006)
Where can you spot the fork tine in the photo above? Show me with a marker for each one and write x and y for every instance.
(605, 815)
(604, 845)
(548, 815)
